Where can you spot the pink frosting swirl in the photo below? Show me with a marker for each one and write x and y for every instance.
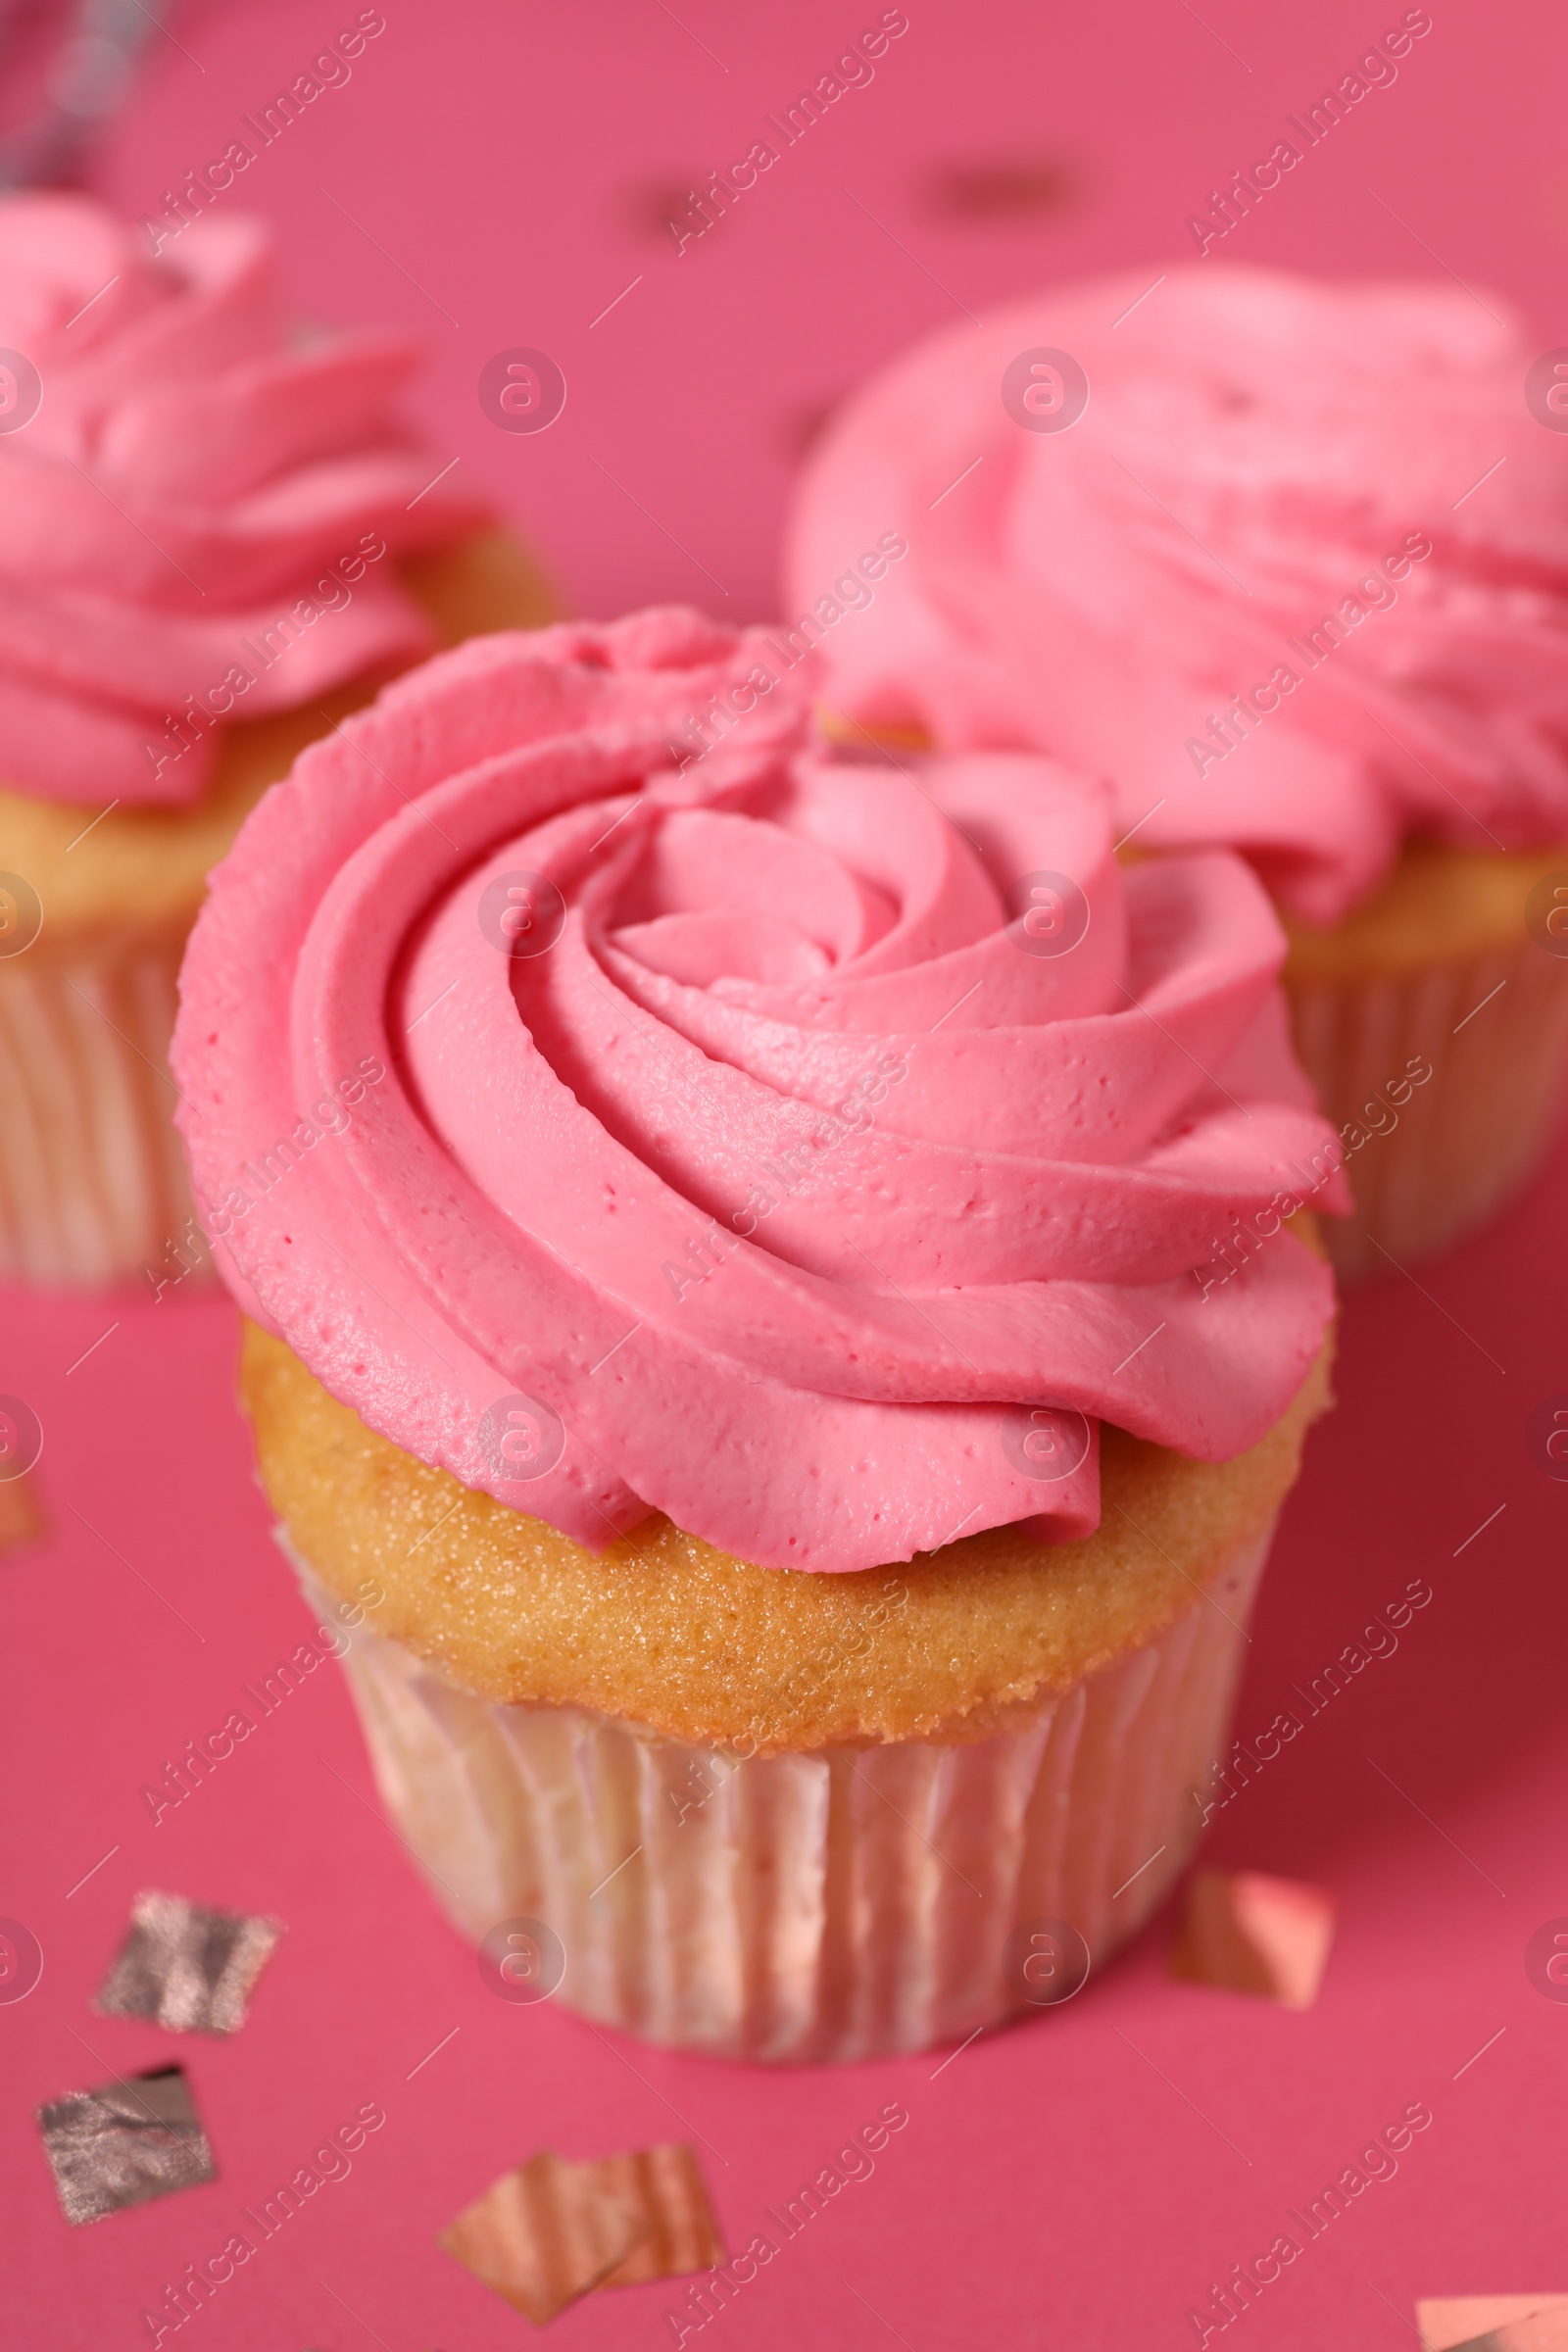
(1259, 454)
(811, 1150)
(194, 508)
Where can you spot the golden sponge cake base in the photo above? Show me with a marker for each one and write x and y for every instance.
(151, 864)
(1436, 978)
(92, 1182)
(664, 1631)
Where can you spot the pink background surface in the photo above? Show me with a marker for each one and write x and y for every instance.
(1083, 2178)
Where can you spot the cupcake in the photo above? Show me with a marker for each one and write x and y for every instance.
(219, 541)
(735, 1245)
(1286, 561)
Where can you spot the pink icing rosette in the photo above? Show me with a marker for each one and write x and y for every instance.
(200, 508)
(812, 1151)
(1296, 578)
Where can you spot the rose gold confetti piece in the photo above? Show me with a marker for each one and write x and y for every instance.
(1542, 2332)
(1015, 187)
(680, 2232)
(1252, 1933)
(800, 428)
(21, 1520)
(553, 2229)
(1494, 2322)
(545, 2234)
(655, 203)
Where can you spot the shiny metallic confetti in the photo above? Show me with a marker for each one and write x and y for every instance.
(187, 1968)
(679, 2232)
(124, 2143)
(21, 1430)
(65, 68)
(1248, 1933)
(544, 2235)
(21, 1520)
(1541, 2331)
(802, 425)
(1002, 188)
(554, 2231)
(1494, 2323)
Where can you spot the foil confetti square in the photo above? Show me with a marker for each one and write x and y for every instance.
(21, 1520)
(680, 2231)
(554, 2231)
(1001, 187)
(190, 1969)
(128, 2141)
(545, 2234)
(1494, 2323)
(1248, 1933)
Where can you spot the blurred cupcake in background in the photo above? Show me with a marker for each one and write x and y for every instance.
(1287, 562)
(725, 1231)
(217, 540)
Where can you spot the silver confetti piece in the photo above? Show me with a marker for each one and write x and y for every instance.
(190, 1969)
(124, 2143)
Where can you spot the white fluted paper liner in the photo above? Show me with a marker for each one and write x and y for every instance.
(1496, 1032)
(846, 1902)
(92, 1181)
